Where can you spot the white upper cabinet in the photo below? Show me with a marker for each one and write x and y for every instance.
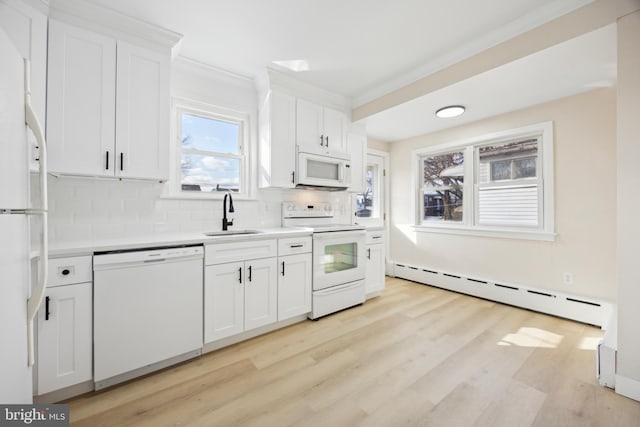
(81, 93)
(142, 112)
(357, 148)
(335, 129)
(319, 128)
(277, 141)
(107, 106)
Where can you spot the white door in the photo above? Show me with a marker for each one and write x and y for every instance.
(14, 173)
(282, 146)
(335, 130)
(65, 337)
(223, 300)
(81, 94)
(15, 375)
(142, 113)
(375, 268)
(27, 28)
(357, 149)
(309, 126)
(294, 285)
(16, 384)
(260, 293)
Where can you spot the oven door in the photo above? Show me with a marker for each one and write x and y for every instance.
(323, 170)
(338, 258)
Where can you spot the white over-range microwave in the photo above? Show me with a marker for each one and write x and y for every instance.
(328, 171)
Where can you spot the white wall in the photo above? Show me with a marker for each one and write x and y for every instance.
(94, 209)
(585, 203)
(628, 380)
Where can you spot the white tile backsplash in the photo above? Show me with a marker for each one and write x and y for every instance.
(93, 209)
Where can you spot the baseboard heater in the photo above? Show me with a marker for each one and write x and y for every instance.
(586, 310)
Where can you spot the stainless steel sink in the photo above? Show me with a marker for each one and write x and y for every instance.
(231, 232)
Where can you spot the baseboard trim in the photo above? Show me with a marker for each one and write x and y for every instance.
(628, 387)
(582, 309)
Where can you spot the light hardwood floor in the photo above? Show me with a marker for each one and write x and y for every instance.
(416, 355)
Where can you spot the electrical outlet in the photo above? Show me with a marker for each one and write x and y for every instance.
(567, 278)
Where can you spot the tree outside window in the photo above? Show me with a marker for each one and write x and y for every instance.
(442, 187)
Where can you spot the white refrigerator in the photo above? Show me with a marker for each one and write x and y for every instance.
(19, 300)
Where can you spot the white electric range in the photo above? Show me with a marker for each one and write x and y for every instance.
(338, 256)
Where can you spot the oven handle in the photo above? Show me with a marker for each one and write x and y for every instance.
(338, 234)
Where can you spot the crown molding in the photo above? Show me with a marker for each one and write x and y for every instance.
(97, 18)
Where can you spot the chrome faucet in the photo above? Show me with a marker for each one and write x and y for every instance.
(225, 222)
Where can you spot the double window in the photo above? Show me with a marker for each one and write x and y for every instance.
(211, 152)
(495, 184)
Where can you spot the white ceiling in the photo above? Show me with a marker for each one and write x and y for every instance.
(578, 65)
(362, 49)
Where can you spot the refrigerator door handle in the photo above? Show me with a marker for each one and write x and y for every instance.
(34, 303)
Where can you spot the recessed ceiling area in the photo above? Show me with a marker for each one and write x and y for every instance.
(356, 48)
(578, 65)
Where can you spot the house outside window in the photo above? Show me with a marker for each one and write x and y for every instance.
(211, 152)
(499, 184)
(443, 187)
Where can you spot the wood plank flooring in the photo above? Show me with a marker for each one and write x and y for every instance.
(415, 356)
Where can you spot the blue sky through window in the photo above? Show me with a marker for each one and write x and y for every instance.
(207, 134)
(205, 173)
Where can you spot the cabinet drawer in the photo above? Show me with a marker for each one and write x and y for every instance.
(294, 245)
(374, 237)
(66, 271)
(239, 251)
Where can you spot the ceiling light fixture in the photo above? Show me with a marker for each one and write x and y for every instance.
(296, 65)
(450, 111)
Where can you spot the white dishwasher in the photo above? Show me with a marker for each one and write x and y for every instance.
(147, 311)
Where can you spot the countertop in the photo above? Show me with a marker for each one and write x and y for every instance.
(88, 247)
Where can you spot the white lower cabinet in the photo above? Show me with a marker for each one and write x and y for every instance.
(65, 337)
(260, 293)
(223, 301)
(242, 295)
(294, 285)
(375, 271)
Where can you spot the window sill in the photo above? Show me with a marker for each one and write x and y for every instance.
(487, 232)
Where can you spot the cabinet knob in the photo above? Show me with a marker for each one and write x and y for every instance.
(65, 272)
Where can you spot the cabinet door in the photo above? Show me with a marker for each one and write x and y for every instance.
(142, 113)
(309, 126)
(375, 268)
(223, 300)
(294, 285)
(278, 141)
(65, 337)
(260, 293)
(81, 94)
(335, 130)
(357, 149)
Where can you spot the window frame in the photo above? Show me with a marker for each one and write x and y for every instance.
(545, 230)
(214, 112)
